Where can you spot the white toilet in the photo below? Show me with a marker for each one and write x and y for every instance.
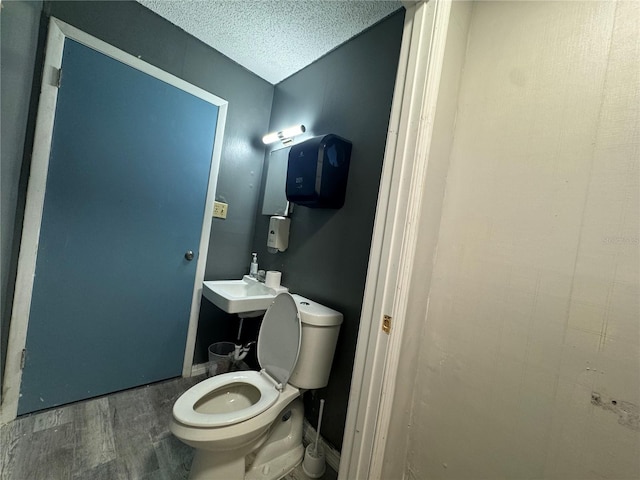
(248, 425)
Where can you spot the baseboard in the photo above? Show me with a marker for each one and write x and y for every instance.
(331, 454)
(199, 369)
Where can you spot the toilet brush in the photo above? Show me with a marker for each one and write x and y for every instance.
(313, 464)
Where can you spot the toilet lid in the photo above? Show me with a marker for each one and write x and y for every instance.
(279, 338)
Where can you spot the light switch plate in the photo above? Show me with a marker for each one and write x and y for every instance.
(220, 209)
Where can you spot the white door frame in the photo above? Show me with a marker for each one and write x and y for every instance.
(395, 234)
(58, 32)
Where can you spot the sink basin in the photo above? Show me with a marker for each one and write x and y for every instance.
(247, 296)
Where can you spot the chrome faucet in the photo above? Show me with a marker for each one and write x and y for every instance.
(261, 275)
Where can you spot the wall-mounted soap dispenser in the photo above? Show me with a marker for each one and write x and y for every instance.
(317, 172)
(278, 238)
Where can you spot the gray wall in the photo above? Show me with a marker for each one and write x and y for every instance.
(349, 93)
(19, 36)
(136, 30)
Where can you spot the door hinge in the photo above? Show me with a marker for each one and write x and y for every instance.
(56, 77)
(386, 324)
(23, 358)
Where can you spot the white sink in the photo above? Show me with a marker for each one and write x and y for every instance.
(247, 296)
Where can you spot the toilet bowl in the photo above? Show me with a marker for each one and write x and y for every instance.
(248, 425)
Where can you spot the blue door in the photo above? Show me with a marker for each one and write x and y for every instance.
(124, 203)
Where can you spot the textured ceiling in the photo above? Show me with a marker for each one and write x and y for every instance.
(273, 38)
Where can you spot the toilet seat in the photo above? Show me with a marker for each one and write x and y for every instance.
(277, 350)
(184, 410)
(279, 338)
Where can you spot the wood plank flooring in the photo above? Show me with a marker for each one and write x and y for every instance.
(123, 436)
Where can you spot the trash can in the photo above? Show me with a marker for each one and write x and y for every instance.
(221, 359)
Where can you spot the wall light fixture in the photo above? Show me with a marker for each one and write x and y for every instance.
(285, 136)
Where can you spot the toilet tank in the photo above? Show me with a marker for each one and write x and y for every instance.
(320, 328)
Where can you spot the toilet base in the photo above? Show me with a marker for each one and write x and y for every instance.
(278, 467)
(283, 450)
(276, 456)
(216, 466)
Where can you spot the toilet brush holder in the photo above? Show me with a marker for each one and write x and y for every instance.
(314, 464)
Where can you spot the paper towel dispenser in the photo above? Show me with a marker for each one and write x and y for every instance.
(317, 172)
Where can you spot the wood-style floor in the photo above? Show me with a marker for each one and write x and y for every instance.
(123, 436)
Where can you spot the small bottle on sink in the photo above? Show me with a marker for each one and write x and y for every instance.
(253, 268)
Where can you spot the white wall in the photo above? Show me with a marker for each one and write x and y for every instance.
(533, 303)
(430, 216)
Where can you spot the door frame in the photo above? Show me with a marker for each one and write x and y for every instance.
(394, 253)
(58, 32)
